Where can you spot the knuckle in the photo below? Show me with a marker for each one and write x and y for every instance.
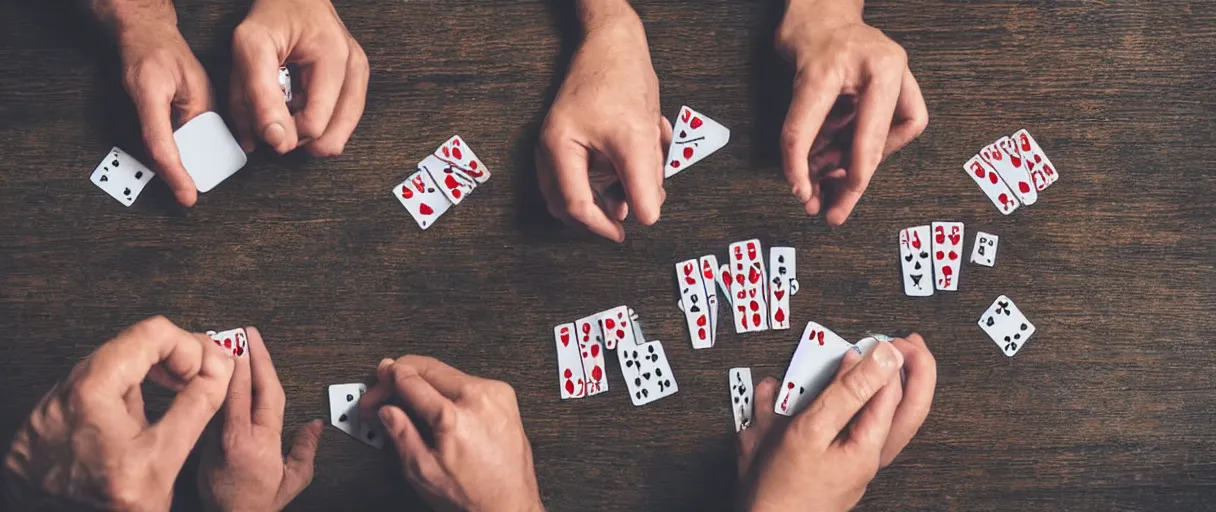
(323, 148)
(858, 387)
(448, 419)
(121, 489)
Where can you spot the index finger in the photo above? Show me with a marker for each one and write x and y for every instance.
(921, 370)
(639, 163)
(156, 125)
(569, 192)
(843, 399)
(152, 343)
(440, 377)
(875, 110)
(269, 401)
(256, 59)
(415, 391)
(813, 99)
(322, 77)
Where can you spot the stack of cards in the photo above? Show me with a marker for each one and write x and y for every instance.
(814, 366)
(580, 357)
(441, 181)
(1012, 171)
(694, 137)
(931, 253)
(757, 300)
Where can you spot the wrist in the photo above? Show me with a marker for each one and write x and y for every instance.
(122, 17)
(599, 15)
(826, 11)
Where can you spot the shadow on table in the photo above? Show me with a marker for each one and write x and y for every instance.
(709, 481)
(771, 89)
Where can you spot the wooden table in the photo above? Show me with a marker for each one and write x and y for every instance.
(1109, 407)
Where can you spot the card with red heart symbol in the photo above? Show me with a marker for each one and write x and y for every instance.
(452, 182)
(709, 276)
(992, 185)
(422, 198)
(694, 303)
(458, 153)
(811, 369)
(748, 289)
(914, 255)
(618, 328)
(694, 137)
(782, 265)
(569, 362)
(591, 352)
(234, 341)
(1003, 155)
(1042, 173)
(947, 254)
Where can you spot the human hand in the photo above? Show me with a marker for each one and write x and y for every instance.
(88, 441)
(471, 453)
(857, 425)
(605, 127)
(333, 69)
(242, 463)
(855, 102)
(164, 79)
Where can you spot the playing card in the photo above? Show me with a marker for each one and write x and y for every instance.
(1004, 157)
(121, 176)
(988, 180)
(983, 251)
(709, 276)
(285, 83)
(947, 254)
(419, 195)
(694, 138)
(451, 181)
(914, 260)
(456, 152)
(591, 352)
(741, 396)
(724, 279)
(694, 303)
(748, 286)
(866, 345)
(647, 373)
(618, 328)
(208, 151)
(344, 414)
(569, 362)
(1006, 325)
(638, 337)
(234, 340)
(1042, 173)
(783, 283)
(812, 368)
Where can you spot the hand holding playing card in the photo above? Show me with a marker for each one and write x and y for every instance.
(88, 441)
(334, 74)
(829, 452)
(164, 79)
(242, 464)
(468, 450)
(605, 127)
(855, 102)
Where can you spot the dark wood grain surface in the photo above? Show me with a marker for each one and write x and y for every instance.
(1109, 407)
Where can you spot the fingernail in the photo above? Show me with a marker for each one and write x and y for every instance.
(384, 362)
(247, 145)
(385, 417)
(887, 355)
(274, 135)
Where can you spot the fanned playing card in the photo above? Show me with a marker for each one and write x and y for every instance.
(694, 137)
(569, 362)
(647, 373)
(992, 185)
(983, 251)
(784, 283)
(748, 292)
(458, 153)
(724, 279)
(419, 195)
(591, 351)
(208, 150)
(947, 254)
(1006, 325)
(285, 83)
(1042, 173)
(694, 303)
(741, 397)
(121, 175)
(914, 261)
(234, 340)
(1004, 157)
(451, 181)
(618, 328)
(344, 414)
(812, 368)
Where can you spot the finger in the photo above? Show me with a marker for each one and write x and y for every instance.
(850, 359)
(255, 59)
(813, 99)
(639, 162)
(869, 429)
(134, 401)
(238, 405)
(763, 422)
(269, 401)
(416, 456)
(921, 380)
(415, 392)
(839, 403)
(348, 110)
(127, 359)
(569, 196)
(298, 467)
(911, 116)
(874, 113)
(323, 76)
(179, 428)
(155, 117)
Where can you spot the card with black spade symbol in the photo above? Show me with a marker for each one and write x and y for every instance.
(121, 176)
(1006, 325)
(741, 396)
(646, 371)
(344, 414)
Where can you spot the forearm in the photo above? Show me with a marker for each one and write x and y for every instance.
(118, 16)
(595, 14)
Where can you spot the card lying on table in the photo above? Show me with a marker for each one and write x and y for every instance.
(784, 283)
(983, 251)
(208, 151)
(748, 293)
(569, 362)
(741, 396)
(591, 350)
(914, 261)
(344, 414)
(419, 195)
(1006, 325)
(947, 254)
(121, 176)
(647, 373)
(694, 303)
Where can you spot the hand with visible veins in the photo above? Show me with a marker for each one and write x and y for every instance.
(855, 102)
(89, 443)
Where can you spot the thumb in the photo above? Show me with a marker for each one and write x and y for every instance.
(298, 468)
(175, 435)
(414, 452)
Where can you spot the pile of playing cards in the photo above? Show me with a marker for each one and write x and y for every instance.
(757, 301)
(442, 180)
(694, 137)
(580, 357)
(812, 368)
(1010, 170)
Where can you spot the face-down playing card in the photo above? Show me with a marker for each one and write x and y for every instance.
(208, 150)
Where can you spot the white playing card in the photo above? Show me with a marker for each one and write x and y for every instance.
(121, 176)
(741, 397)
(866, 345)
(208, 151)
(647, 373)
(947, 254)
(709, 276)
(1042, 173)
(1004, 157)
(812, 368)
(1006, 325)
(694, 138)
(783, 268)
(591, 352)
(724, 279)
(693, 303)
(990, 182)
(419, 195)
(983, 251)
(569, 362)
(458, 153)
(285, 83)
(750, 307)
(914, 261)
(344, 414)
(451, 181)
(637, 328)
(234, 340)
(618, 328)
